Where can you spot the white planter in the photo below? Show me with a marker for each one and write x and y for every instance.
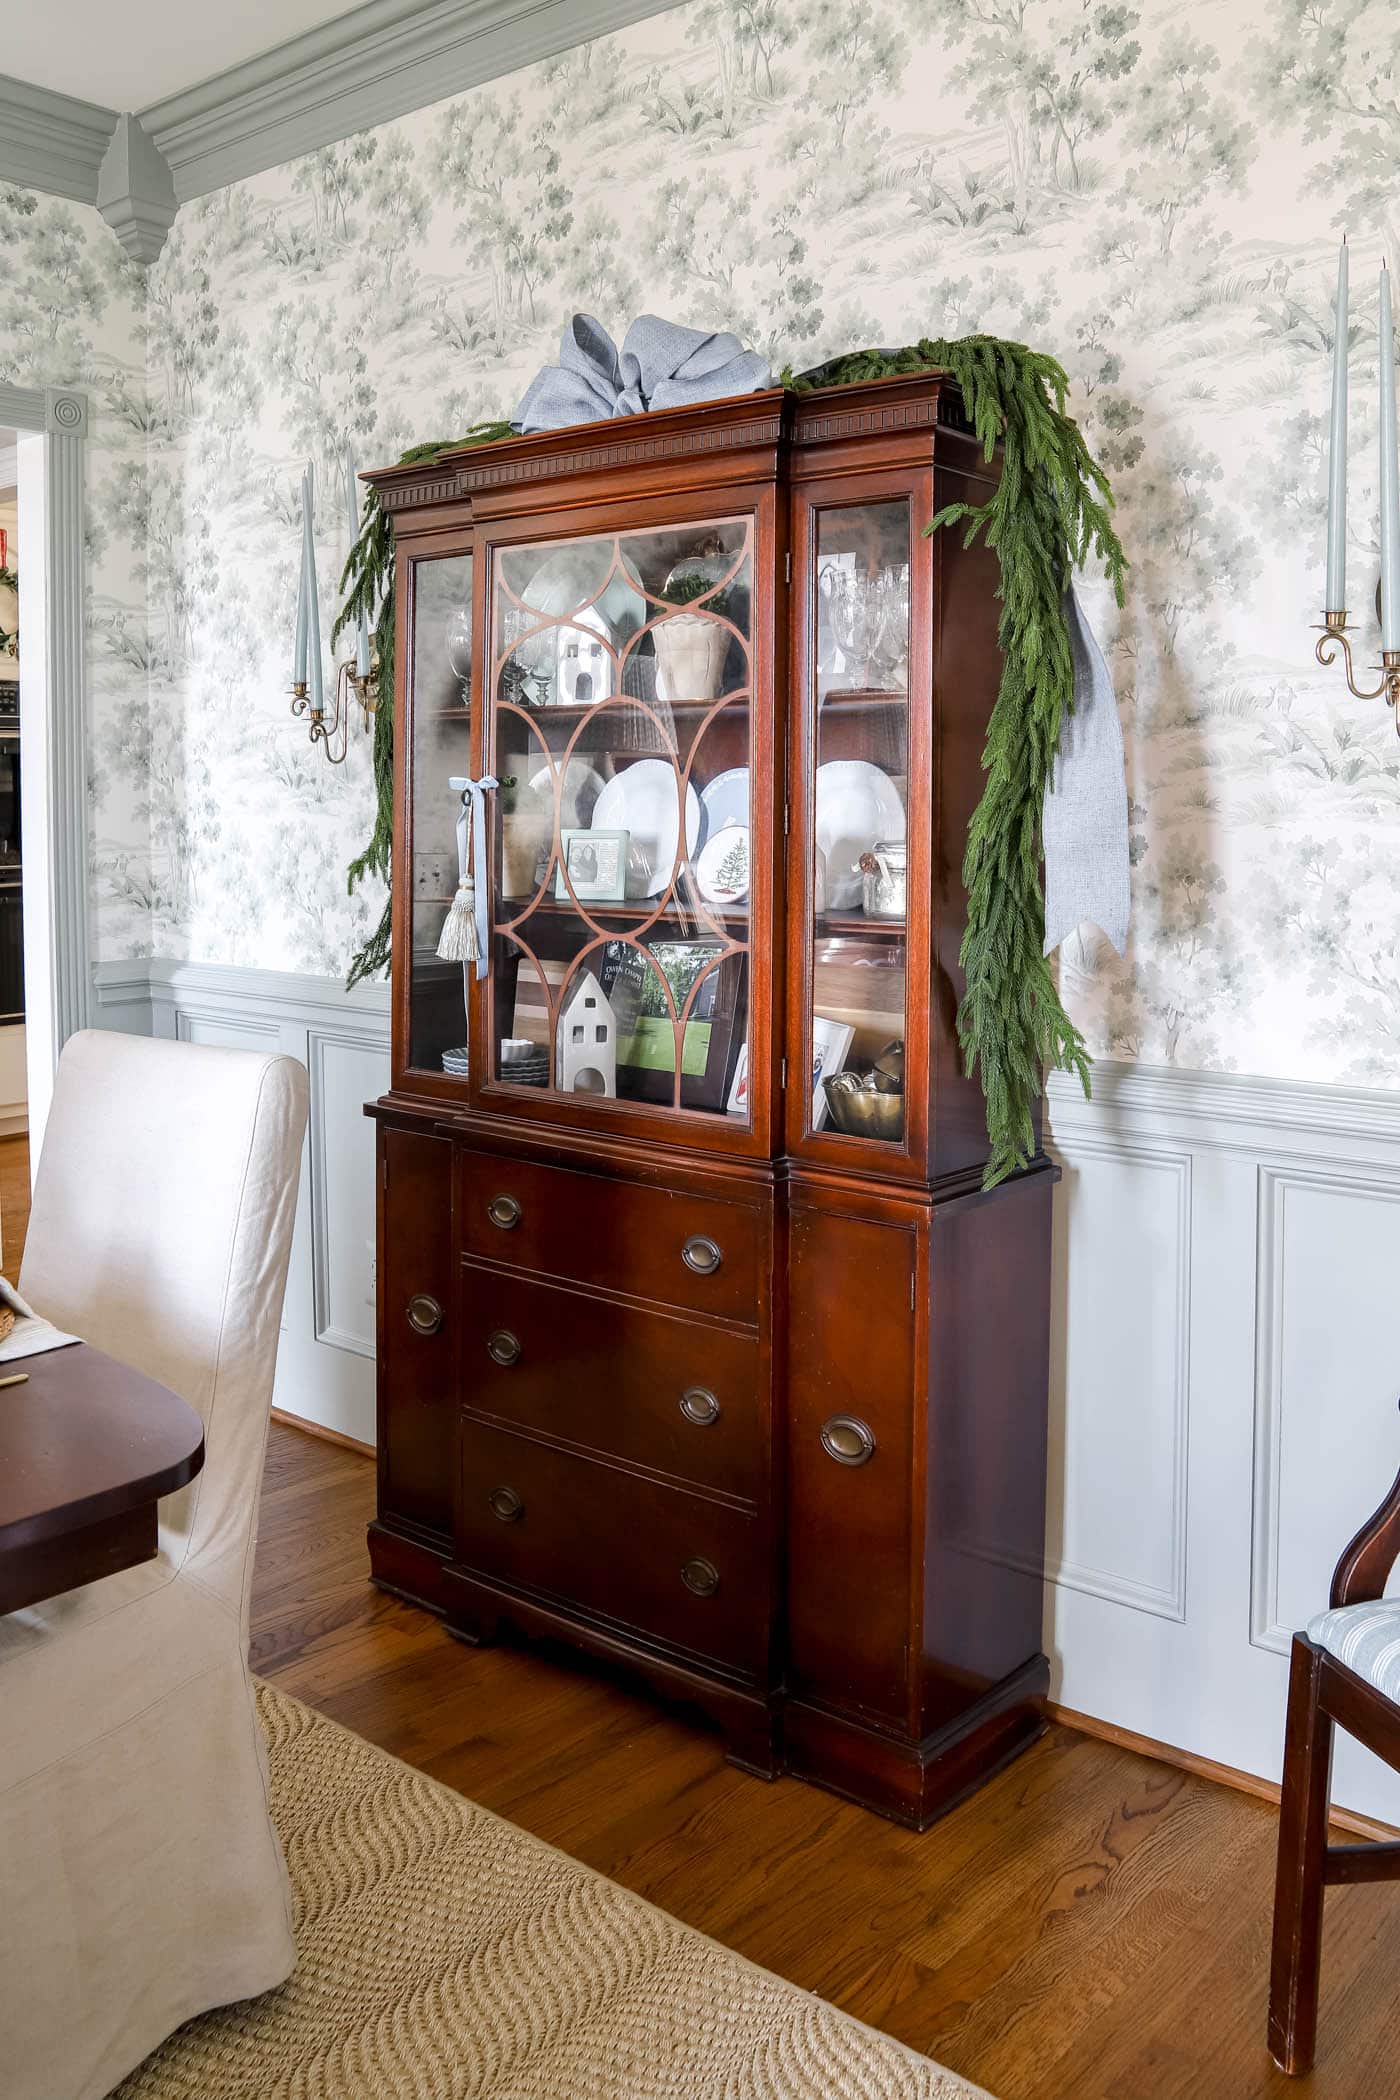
(690, 654)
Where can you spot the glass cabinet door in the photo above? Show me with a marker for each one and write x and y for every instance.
(856, 659)
(440, 685)
(620, 686)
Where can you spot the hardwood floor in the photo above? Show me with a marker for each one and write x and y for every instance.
(1093, 1925)
(14, 1203)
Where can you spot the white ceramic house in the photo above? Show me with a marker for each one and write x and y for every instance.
(586, 1056)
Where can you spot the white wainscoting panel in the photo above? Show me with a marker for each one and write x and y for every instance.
(1223, 1396)
(1122, 1293)
(325, 1366)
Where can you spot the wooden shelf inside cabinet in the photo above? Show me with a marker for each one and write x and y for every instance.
(855, 924)
(861, 701)
(687, 710)
(633, 911)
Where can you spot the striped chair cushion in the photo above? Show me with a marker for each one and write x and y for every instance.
(1366, 1637)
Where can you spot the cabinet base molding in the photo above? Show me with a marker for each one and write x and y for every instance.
(410, 1568)
(480, 1614)
(916, 1783)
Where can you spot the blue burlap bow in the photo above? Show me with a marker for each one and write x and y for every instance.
(661, 365)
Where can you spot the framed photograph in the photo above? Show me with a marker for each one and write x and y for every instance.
(597, 865)
(831, 1043)
(714, 1033)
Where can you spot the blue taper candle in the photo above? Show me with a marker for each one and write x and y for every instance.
(299, 646)
(1390, 477)
(313, 608)
(352, 490)
(1337, 456)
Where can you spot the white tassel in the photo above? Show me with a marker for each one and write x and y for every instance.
(459, 943)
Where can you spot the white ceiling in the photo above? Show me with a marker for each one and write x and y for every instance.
(128, 57)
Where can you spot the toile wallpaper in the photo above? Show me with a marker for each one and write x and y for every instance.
(1154, 192)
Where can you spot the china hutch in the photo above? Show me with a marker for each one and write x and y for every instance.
(701, 1348)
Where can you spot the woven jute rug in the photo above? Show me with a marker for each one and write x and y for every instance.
(446, 1955)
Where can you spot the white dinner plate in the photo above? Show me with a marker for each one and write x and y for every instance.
(643, 802)
(582, 786)
(725, 801)
(857, 807)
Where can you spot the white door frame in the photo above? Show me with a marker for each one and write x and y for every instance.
(52, 426)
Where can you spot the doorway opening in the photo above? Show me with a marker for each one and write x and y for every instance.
(14, 1091)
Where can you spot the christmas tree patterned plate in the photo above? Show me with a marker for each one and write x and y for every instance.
(725, 800)
(722, 865)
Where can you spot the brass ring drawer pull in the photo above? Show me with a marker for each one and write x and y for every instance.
(502, 1346)
(699, 1405)
(700, 1255)
(700, 1576)
(424, 1314)
(504, 1211)
(506, 1505)
(848, 1440)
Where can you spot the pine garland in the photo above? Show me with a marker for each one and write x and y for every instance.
(367, 582)
(1049, 512)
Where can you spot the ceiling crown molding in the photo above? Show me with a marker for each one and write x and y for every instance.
(52, 142)
(135, 194)
(368, 67)
(379, 62)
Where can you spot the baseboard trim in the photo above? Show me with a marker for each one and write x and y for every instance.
(1207, 1768)
(320, 1431)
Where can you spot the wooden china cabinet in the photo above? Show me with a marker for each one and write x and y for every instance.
(684, 1360)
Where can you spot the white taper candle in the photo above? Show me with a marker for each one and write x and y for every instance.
(1390, 477)
(352, 495)
(1337, 455)
(299, 647)
(313, 607)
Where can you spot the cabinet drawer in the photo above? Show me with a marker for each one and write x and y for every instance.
(697, 1252)
(653, 1560)
(653, 1388)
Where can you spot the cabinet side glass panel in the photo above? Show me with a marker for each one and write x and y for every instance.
(620, 688)
(859, 697)
(440, 669)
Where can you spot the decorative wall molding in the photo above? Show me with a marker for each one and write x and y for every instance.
(1269, 1628)
(56, 922)
(52, 142)
(135, 191)
(1282, 1355)
(367, 67)
(378, 62)
(325, 1366)
(1163, 1600)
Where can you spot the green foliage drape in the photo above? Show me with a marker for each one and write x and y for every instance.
(367, 583)
(1049, 512)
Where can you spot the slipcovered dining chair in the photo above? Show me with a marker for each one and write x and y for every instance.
(141, 1880)
(1345, 1671)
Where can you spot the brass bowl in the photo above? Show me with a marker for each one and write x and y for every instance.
(861, 1112)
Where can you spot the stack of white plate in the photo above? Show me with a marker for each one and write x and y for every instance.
(455, 1061)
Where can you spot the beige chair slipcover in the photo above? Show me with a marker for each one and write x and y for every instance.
(140, 1878)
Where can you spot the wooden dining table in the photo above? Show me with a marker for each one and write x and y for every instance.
(87, 1448)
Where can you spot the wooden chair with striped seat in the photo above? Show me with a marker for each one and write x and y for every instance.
(1346, 1672)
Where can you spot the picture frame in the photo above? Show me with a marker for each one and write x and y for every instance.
(831, 1044)
(597, 865)
(714, 1036)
